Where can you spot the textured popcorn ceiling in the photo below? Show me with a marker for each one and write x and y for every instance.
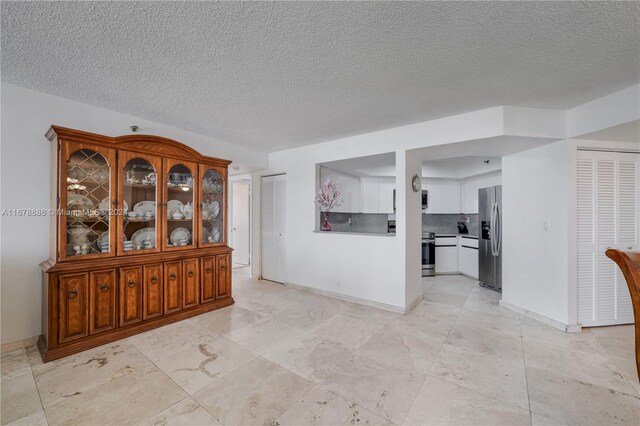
(278, 75)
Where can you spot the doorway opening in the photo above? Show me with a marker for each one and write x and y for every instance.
(240, 223)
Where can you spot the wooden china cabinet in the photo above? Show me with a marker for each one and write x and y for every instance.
(139, 241)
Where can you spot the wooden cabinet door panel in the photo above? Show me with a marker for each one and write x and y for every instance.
(130, 295)
(191, 280)
(102, 297)
(208, 282)
(172, 287)
(223, 270)
(73, 315)
(153, 291)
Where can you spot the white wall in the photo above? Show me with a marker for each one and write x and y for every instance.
(469, 190)
(349, 186)
(535, 261)
(26, 116)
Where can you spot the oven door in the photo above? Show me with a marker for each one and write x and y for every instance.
(428, 257)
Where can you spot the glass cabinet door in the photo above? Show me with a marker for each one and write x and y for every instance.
(179, 195)
(213, 207)
(87, 201)
(139, 207)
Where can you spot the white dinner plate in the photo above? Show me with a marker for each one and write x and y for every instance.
(145, 206)
(143, 234)
(179, 234)
(215, 234)
(174, 206)
(104, 206)
(211, 210)
(80, 200)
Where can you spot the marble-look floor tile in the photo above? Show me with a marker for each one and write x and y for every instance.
(196, 367)
(482, 339)
(445, 297)
(226, 320)
(76, 374)
(501, 379)
(185, 413)
(127, 400)
(591, 365)
(165, 341)
(36, 419)
(540, 420)
(577, 402)
(346, 329)
(491, 322)
(255, 394)
(424, 325)
(18, 398)
(304, 316)
(384, 389)
(618, 341)
(309, 356)
(438, 310)
(264, 304)
(13, 364)
(396, 347)
(443, 403)
(262, 335)
(321, 407)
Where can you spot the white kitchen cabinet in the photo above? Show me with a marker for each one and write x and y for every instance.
(348, 185)
(444, 195)
(447, 255)
(468, 257)
(469, 190)
(377, 195)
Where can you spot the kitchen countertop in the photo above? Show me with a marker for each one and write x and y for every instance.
(474, 237)
(385, 234)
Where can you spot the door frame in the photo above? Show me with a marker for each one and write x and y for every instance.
(248, 182)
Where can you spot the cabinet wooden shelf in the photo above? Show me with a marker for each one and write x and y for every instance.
(95, 288)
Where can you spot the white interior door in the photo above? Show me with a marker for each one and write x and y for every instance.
(240, 221)
(608, 206)
(273, 211)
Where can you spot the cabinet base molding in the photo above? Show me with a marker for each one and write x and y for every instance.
(121, 333)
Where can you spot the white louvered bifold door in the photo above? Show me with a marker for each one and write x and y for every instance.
(607, 216)
(273, 208)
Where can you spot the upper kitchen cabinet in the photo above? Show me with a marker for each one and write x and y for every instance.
(444, 195)
(348, 185)
(469, 190)
(377, 195)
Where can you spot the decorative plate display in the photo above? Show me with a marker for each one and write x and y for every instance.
(145, 206)
(144, 234)
(180, 234)
(104, 238)
(78, 201)
(104, 206)
(174, 206)
(214, 233)
(211, 210)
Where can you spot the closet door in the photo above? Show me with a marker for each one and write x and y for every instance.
(274, 196)
(607, 217)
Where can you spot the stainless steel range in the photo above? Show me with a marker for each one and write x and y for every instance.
(428, 254)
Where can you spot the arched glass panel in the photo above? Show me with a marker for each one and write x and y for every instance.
(88, 203)
(180, 206)
(139, 205)
(212, 207)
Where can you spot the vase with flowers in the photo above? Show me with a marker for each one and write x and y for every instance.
(327, 198)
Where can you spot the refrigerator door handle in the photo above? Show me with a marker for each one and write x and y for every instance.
(498, 230)
(493, 229)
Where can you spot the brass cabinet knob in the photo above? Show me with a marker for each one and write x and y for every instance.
(104, 287)
(190, 274)
(131, 283)
(223, 267)
(154, 280)
(73, 293)
(172, 276)
(208, 270)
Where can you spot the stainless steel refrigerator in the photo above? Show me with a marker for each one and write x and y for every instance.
(490, 238)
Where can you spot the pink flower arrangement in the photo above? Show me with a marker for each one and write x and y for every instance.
(328, 196)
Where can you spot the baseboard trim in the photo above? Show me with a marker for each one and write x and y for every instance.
(413, 304)
(364, 302)
(18, 344)
(567, 328)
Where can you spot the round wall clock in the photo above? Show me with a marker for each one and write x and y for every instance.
(415, 183)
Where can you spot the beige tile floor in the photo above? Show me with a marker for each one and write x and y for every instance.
(283, 356)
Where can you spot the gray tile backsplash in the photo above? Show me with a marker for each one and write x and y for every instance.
(371, 223)
(447, 223)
